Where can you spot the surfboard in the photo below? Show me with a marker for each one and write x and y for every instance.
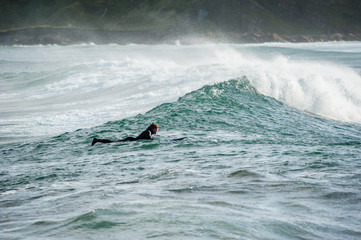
(178, 139)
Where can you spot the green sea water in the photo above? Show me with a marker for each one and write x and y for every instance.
(253, 165)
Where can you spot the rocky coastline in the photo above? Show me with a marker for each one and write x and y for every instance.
(69, 36)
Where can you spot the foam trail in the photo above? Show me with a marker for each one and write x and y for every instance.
(322, 88)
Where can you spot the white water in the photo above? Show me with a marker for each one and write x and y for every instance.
(324, 88)
(48, 90)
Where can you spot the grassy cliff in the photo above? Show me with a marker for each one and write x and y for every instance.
(290, 17)
(277, 16)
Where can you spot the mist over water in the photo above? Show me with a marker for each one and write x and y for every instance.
(272, 149)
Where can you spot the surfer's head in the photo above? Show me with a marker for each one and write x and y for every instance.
(153, 128)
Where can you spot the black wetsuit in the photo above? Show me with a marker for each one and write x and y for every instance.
(146, 134)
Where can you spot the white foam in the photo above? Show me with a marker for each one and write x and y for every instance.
(347, 47)
(320, 87)
(10, 192)
(83, 86)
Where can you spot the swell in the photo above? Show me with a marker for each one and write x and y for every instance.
(238, 110)
(105, 83)
(231, 110)
(246, 155)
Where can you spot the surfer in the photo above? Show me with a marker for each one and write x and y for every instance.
(146, 134)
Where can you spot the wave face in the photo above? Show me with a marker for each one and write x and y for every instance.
(257, 163)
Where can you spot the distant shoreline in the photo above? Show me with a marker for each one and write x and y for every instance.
(69, 36)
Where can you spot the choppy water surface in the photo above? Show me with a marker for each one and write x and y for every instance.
(272, 149)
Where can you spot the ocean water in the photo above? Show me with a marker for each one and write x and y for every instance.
(272, 148)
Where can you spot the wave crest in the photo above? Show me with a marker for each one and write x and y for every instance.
(323, 88)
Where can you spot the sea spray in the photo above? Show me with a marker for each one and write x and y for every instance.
(49, 90)
(319, 87)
